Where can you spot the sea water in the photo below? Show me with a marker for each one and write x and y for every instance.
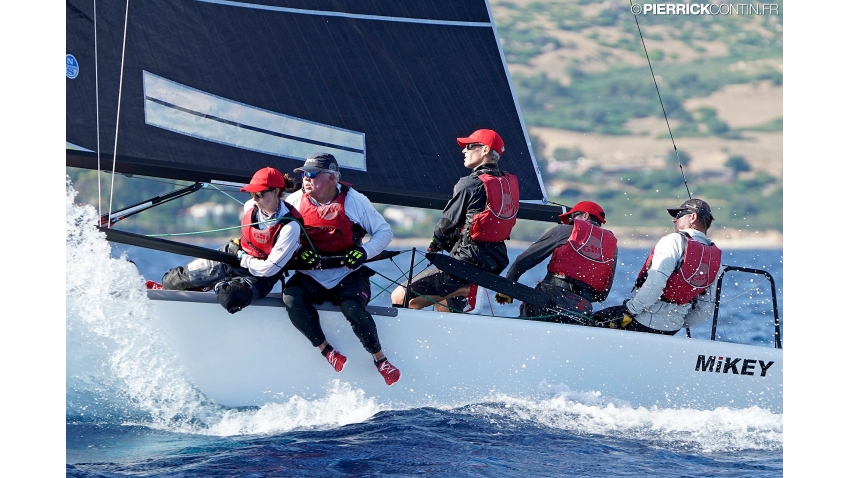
(131, 409)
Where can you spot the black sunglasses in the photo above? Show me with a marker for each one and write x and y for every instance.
(261, 193)
(471, 146)
(683, 213)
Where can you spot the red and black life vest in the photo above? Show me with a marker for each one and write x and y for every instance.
(259, 242)
(495, 222)
(327, 226)
(700, 266)
(587, 256)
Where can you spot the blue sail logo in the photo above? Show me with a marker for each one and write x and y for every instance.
(72, 68)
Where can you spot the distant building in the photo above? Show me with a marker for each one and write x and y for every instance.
(210, 214)
(403, 216)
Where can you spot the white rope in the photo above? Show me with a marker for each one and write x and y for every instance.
(118, 114)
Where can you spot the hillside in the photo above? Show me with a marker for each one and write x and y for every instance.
(587, 94)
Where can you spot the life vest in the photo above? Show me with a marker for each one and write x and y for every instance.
(700, 266)
(259, 242)
(586, 257)
(327, 226)
(495, 222)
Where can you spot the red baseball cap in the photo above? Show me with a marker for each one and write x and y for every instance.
(589, 207)
(264, 179)
(484, 136)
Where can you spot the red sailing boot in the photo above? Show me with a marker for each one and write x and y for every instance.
(336, 359)
(388, 371)
(151, 285)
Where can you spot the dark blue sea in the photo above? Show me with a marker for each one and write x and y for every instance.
(131, 411)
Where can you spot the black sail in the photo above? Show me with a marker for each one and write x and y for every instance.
(214, 90)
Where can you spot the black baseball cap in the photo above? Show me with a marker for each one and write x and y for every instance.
(693, 205)
(319, 162)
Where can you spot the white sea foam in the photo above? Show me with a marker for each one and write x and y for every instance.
(117, 366)
(342, 405)
(718, 430)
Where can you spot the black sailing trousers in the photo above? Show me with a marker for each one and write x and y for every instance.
(351, 295)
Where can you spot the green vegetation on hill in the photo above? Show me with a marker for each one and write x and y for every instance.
(602, 102)
(640, 198)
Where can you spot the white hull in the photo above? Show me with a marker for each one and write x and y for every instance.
(256, 356)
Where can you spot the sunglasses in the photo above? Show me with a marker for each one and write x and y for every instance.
(683, 213)
(312, 174)
(261, 193)
(471, 146)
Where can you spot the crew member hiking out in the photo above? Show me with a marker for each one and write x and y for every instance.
(336, 218)
(269, 238)
(582, 261)
(677, 285)
(474, 225)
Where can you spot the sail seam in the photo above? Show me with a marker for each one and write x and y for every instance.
(357, 16)
(253, 128)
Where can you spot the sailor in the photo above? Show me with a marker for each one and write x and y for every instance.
(336, 218)
(582, 261)
(677, 285)
(269, 237)
(474, 225)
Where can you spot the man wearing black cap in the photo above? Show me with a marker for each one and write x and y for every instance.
(336, 218)
(474, 225)
(677, 285)
(582, 261)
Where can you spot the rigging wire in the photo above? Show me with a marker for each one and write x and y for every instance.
(97, 111)
(118, 113)
(657, 90)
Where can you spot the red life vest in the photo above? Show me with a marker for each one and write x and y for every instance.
(327, 226)
(494, 224)
(699, 267)
(587, 256)
(259, 243)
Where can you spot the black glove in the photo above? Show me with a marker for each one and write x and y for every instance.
(232, 247)
(504, 299)
(628, 317)
(627, 311)
(354, 258)
(433, 246)
(308, 257)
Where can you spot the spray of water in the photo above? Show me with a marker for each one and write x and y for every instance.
(119, 368)
(703, 431)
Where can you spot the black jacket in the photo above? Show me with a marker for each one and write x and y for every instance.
(469, 198)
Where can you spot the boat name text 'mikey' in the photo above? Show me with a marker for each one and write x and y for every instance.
(747, 366)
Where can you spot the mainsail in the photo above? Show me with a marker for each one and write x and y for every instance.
(214, 90)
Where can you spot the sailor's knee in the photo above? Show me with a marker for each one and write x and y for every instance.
(398, 295)
(353, 308)
(293, 297)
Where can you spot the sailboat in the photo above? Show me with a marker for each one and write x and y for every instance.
(210, 91)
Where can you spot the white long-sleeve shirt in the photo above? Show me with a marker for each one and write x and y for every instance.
(646, 303)
(288, 241)
(360, 210)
